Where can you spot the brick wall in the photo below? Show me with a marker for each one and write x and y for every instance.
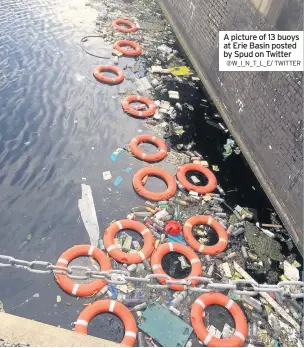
(264, 110)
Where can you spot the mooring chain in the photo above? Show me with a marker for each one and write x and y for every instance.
(247, 287)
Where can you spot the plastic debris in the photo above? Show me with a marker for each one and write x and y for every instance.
(128, 170)
(113, 291)
(183, 262)
(132, 268)
(1, 307)
(173, 227)
(269, 299)
(180, 71)
(127, 244)
(164, 48)
(114, 156)
(213, 331)
(118, 181)
(175, 311)
(291, 272)
(173, 95)
(58, 298)
(177, 238)
(143, 84)
(227, 331)
(107, 175)
(159, 70)
(29, 237)
(88, 214)
(226, 270)
(164, 327)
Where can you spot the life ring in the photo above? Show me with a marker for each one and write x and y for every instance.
(161, 251)
(114, 250)
(214, 298)
(114, 307)
(137, 50)
(161, 173)
(181, 176)
(148, 138)
(89, 289)
(205, 249)
(97, 72)
(137, 98)
(117, 25)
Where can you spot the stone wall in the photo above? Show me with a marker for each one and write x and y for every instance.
(263, 110)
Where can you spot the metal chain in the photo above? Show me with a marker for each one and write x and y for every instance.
(247, 287)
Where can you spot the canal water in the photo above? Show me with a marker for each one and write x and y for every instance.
(58, 127)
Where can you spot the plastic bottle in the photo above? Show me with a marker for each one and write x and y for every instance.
(179, 298)
(175, 311)
(238, 232)
(139, 307)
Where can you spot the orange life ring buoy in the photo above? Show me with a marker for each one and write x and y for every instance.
(162, 250)
(137, 98)
(161, 173)
(205, 249)
(114, 307)
(89, 289)
(117, 25)
(137, 50)
(148, 138)
(114, 249)
(181, 176)
(100, 77)
(213, 298)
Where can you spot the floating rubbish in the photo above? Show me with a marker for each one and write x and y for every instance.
(269, 299)
(227, 151)
(227, 331)
(128, 170)
(132, 268)
(180, 71)
(183, 262)
(178, 239)
(173, 95)
(164, 327)
(1, 307)
(237, 232)
(159, 70)
(127, 244)
(113, 291)
(118, 181)
(226, 270)
(215, 168)
(143, 84)
(139, 307)
(213, 331)
(107, 175)
(88, 214)
(165, 49)
(291, 272)
(179, 298)
(175, 311)
(114, 156)
(58, 299)
(29, 237)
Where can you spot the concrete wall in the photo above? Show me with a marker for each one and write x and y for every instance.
(16, 330)
(263, 110)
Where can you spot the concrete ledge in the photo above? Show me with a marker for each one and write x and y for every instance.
(14, 330)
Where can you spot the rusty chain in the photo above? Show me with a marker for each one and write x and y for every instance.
(247, 287)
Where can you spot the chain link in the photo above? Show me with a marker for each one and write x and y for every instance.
(247, 287)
